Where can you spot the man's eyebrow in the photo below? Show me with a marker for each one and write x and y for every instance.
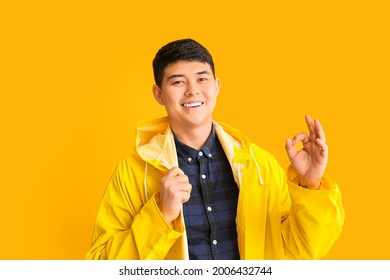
(203, 72)
(175, 76)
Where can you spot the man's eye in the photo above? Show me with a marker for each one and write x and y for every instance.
(202, 79)
(178, 82)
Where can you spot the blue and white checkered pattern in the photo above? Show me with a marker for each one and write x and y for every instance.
(211, 211)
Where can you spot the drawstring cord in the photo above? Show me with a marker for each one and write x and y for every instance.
(146, 193)
(257, 166)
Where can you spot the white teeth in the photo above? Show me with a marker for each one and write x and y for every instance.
(193, 104)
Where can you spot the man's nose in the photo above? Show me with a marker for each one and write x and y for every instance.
(192, 89)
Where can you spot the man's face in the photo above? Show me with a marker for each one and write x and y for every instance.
(189, 92)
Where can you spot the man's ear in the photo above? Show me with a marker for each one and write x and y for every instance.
(157, 94)
(218, 84)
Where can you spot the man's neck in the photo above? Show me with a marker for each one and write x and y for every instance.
(194, 137)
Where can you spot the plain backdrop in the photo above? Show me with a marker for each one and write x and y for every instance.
(76, 77)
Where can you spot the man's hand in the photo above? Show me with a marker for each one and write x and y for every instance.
(175, 189)
(309, 163)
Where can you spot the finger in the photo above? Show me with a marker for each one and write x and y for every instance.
(185, 192)
(182, 179)
(184, 187)
(175, 171)
(185, 197)
(310, 126)
(301, 137)
(178, 187)
(178, 182)
(319, 131)
(323, 147)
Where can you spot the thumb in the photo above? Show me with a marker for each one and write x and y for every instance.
(291, 152)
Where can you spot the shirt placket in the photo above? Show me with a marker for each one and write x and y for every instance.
(208, 201)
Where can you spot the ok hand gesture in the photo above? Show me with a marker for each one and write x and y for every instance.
(309, 163)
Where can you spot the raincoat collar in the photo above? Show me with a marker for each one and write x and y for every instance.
(155, 143)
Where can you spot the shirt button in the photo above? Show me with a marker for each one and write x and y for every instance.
(200, 153)
(215, 242)
(203, 176)
(189, 159)
(209, 209)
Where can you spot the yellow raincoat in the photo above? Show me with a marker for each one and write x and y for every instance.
(276, 218)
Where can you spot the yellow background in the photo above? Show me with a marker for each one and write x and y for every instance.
(76, 76)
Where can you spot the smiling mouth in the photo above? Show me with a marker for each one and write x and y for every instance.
(192, 104)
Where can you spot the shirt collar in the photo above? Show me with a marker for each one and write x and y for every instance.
(189, 154)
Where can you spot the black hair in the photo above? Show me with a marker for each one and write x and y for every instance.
(184, 49)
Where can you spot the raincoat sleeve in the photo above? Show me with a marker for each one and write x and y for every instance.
(128, 226)
(311, 219)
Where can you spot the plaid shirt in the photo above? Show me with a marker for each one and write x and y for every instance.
(211, 211)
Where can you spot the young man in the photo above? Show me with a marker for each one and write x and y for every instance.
(199, 189)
